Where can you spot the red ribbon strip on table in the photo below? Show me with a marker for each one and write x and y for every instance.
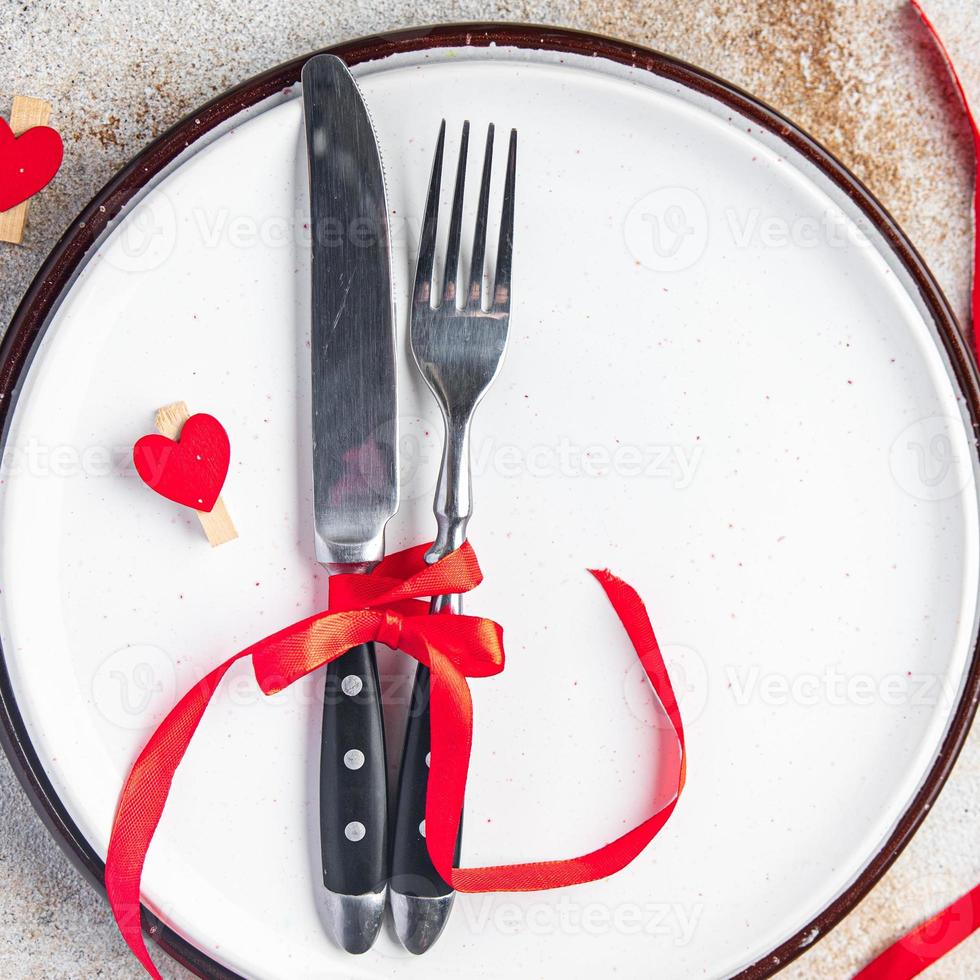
(387, 606)
(932, 940)
(928, 942)
(975, 131)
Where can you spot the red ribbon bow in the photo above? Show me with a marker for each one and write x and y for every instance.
(386, 606)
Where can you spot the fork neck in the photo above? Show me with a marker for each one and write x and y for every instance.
(454, 491)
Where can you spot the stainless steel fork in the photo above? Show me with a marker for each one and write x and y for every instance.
(458, 347)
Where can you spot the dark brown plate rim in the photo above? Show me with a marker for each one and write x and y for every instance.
(41, 299)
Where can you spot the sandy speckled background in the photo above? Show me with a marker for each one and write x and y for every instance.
(858, 74)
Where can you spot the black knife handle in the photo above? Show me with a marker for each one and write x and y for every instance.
(353, 789)
(412, 873)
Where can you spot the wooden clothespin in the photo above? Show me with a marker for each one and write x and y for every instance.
(217, 522)
(34, 163)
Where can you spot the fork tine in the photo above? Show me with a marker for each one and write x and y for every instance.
(427, 236)
(456, 220)
(505, 247)
(480, 235)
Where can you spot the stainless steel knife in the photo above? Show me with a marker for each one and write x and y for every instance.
(355, 479)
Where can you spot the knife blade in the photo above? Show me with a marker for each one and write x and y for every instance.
(355, 478)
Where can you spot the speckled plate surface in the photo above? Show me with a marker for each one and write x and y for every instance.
(731, 380)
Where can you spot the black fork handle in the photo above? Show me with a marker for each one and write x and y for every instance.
(412, 871)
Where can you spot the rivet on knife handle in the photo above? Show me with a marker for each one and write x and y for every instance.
(353, 799)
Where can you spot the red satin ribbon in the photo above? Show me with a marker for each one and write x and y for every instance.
(932, 940)
(928, 942)
(975, 130)
(386, 606)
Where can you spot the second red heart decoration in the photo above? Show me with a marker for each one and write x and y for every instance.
(27, 162)
(190, 470)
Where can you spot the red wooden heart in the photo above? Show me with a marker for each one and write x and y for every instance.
(27, 162)
(190, 471)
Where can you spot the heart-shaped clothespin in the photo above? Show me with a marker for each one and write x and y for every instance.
(187, 463)
(190, 470)
(30, 155)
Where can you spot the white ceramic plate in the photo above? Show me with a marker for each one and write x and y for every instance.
(729, 380)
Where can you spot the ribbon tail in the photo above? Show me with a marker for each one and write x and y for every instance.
(451, 724)
(141, 807)
(928, 942)
(452, 735)
(543, 875)
(632, 613)
(975, 129)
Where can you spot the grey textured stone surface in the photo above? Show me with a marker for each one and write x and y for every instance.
(858, 75)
